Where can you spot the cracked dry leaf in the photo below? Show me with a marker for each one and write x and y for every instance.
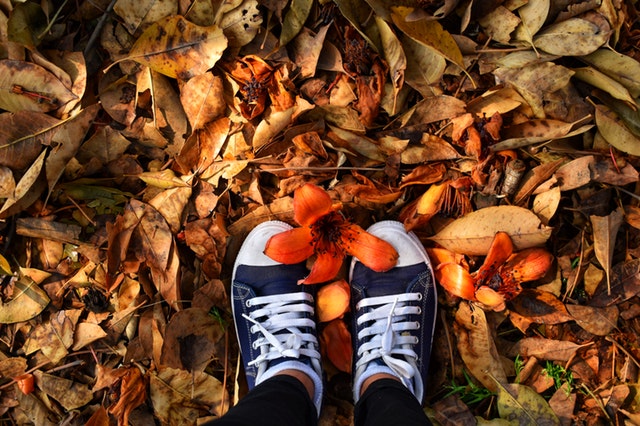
(177, 395)
(241, 24)
(55, 337)
(179, 49)
(605, 230)
(23, 135)
(473, 233)
(69, 394)
(535, 82)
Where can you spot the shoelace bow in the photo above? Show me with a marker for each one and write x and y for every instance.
(387, 338)
(280, 319)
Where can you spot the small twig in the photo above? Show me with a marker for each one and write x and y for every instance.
(98, 29)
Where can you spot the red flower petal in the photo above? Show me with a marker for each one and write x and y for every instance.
(372, 251)
(289, 247)
(500, 250)
(336, 344)
(310, 202)
(325, 268)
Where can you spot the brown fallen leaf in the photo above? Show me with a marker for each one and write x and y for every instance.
(540, 307)
(598, 321)
(545, 349)
(28, 301)
(477, 346)
(69, 394)
(605, 231)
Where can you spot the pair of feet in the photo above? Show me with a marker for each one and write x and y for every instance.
(393, 314)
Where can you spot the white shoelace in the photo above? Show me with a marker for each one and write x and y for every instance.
(391, 341)
(277, 313)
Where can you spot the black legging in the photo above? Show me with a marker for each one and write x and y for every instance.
(283, 401)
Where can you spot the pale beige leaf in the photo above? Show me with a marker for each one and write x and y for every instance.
(605, 231)
(499, 24)
(544, 349)
(306, 47)
(28, 301)
(573, 37)
(532, 14)
(7, 182)
(476, 344)
(171, 204)
(546, 204)
(394, 55)
(473, 233)
(25, 86)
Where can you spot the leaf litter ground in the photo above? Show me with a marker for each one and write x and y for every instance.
(140, 141)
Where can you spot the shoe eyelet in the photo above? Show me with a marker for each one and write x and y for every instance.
(419, 296)
(417, 325)
(254, 346)
(419, 311)
(248, 303)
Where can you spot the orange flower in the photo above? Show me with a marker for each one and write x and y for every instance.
(326, 233)
(498, 279)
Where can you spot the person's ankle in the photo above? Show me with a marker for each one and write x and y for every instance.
(306, 381)
(370, 380)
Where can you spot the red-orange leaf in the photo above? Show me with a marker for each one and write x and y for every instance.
(289, 247)
(456, 280)
(336, 344)
(324, 268)
(372, 251)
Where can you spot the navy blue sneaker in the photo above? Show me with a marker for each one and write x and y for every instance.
(274, 316)
(394, 313)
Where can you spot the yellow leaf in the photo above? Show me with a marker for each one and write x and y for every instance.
(177, 48)
(621, 68)
(294, 19)
(473, 233)
(28, 301)
(429, 33)
(602, 81)
(523, 405)
(532, 14)
(613, 129)
(164, 179)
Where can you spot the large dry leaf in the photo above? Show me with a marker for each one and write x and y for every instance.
(25, 86)
(477, 346)
(69, 394)
(394, 54)
(544, 349)
(176, 395)
(429, 33)
(202, 99)
(598, 321)
(625, 283)
(28, 301)
(427, 66)
(605, 230)
(540, 307)
(520, 404)
(622, 68)
(23, 135)
(191, 340)
(573, 37)
(602, 81)
(473, 233)
(27, 185)
(177, 48)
